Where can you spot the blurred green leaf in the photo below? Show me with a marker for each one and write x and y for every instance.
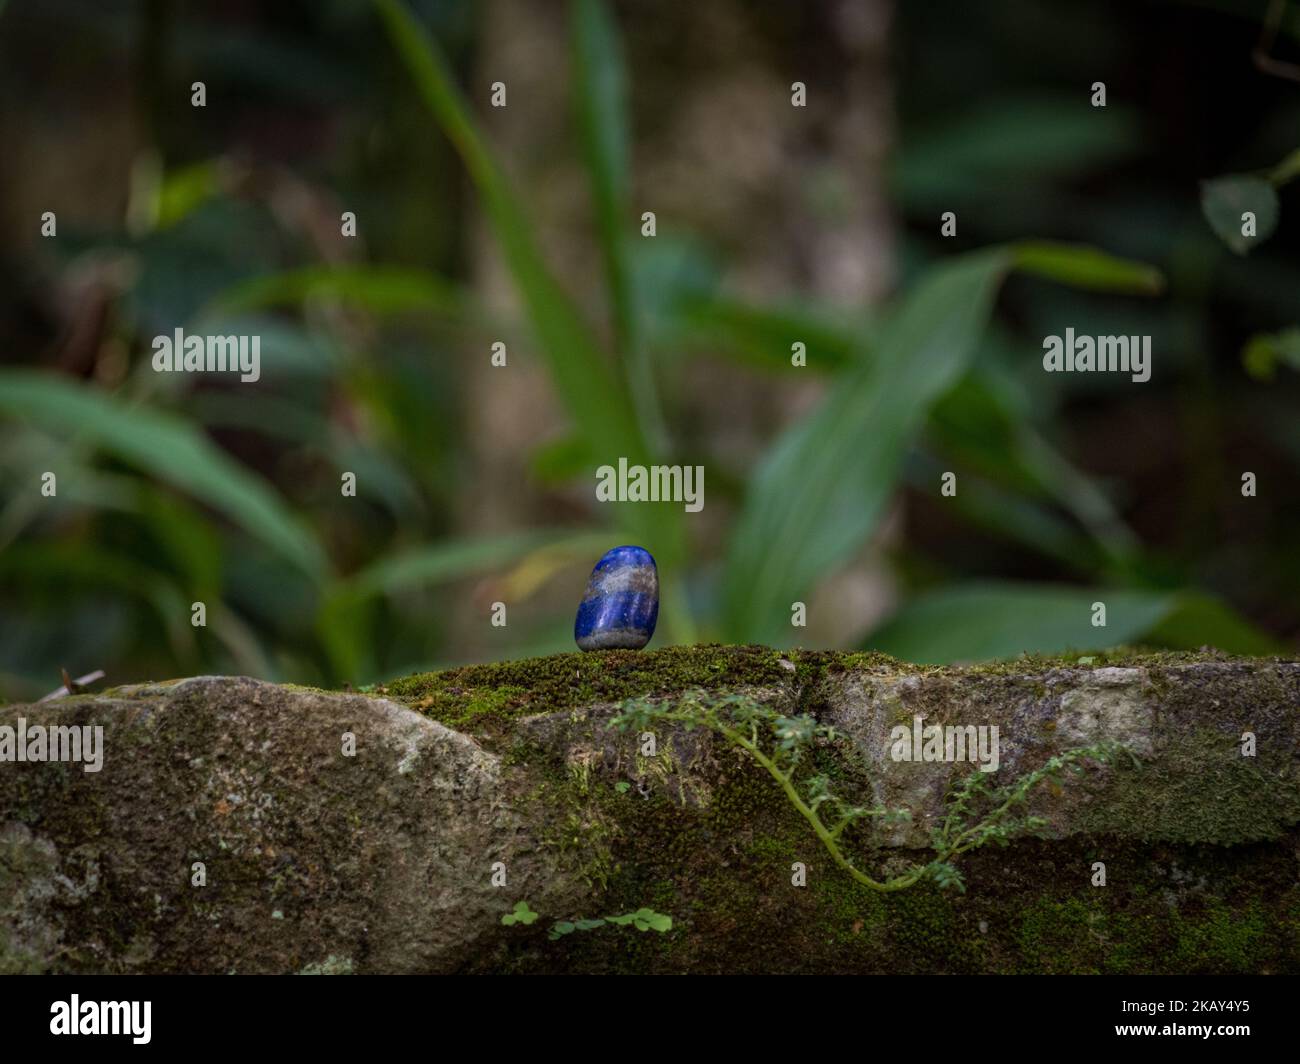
(561, 460)
(979, 622)
(668, 274)
(580, 371)
(290, 353)
(1198, 619)
(1014, 142)
(1010, 515)
(1225, 199)
(823, 484)
(342, 620)
(1264, 352)
(184, 190)
(166, 447)
(600, 95)
(180, 268)
(1086, 267)
(187, 538)
(985, 621)
(1286, 171)
(983, 422)
(75, 568)
(600, 98)
(275, 416)
(764, 336)
(379, 289)
(454, 559)
(598, 404)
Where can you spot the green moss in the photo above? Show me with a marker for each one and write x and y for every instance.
(464, 710)
(1122, 932)
(1063, 936)
(1115, 657)
(719, 860)
(471, 697)
(483, 698)
(1166, 798)
(486, 696)
(723, 871)
(1221, 939)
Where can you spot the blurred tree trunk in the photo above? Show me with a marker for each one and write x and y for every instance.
(791, 201)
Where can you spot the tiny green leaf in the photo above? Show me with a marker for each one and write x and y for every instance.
(1225, 199)
(1265, 351)
(522, 915)
(1087, 267)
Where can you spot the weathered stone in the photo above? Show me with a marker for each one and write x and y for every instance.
(1185, 720)
(318, 862)
(382, 859)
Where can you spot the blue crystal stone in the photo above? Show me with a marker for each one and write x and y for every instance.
(621, 605)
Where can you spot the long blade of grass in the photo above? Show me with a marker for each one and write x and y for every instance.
(600, 97)
(454, 559)
(379, 289)
(581, 373)
(764, 336)
(341, 620)
(166, 447)
(1086, 267)
(584, 379)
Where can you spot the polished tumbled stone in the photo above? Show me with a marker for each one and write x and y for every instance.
(621, 605)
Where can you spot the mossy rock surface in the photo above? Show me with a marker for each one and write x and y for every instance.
(387, 859)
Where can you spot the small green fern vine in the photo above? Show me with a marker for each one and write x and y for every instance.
(977, 812)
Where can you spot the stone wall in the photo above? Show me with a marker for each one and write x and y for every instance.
(241, 826)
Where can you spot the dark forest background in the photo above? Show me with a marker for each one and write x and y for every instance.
(775, 225)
